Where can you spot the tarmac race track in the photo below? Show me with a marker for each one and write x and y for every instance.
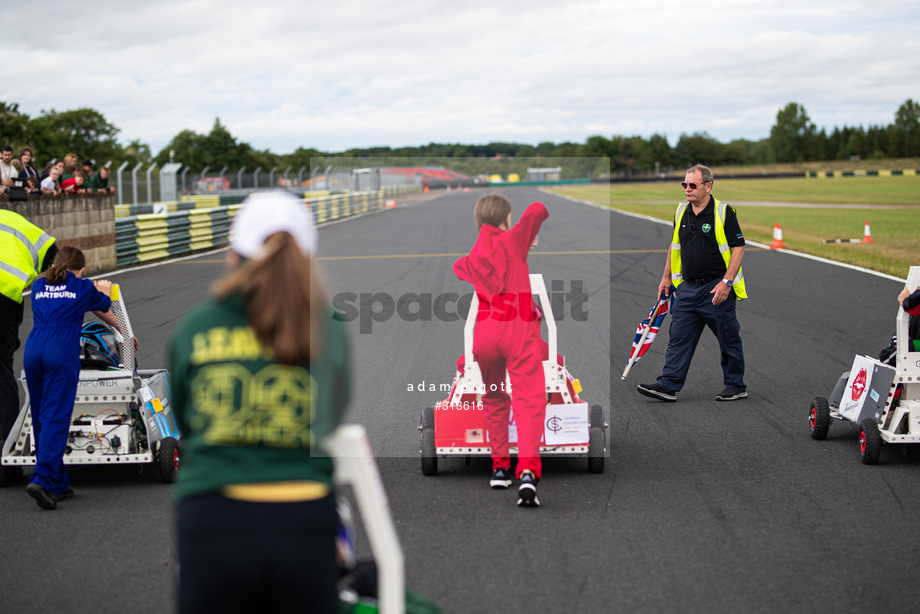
(703, 506)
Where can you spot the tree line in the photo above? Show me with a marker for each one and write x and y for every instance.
(793, 138)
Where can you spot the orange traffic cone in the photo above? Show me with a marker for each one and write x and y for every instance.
(777, 238)
(867, 234)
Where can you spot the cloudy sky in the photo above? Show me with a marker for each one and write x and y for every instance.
(335, 75)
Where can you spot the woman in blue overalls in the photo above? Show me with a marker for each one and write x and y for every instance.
(52, 364)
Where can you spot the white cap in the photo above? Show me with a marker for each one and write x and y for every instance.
(265, 213)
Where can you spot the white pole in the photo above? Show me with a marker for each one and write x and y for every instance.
(355, 465)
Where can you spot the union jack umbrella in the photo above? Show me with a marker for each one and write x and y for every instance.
(647, 331)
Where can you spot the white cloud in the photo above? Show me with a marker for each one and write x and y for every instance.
(283, 74)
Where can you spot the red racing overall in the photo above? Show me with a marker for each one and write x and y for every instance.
(507, 337)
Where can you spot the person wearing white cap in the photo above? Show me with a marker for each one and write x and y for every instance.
(259, 373)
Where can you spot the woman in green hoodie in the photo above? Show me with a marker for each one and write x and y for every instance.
(260, 373)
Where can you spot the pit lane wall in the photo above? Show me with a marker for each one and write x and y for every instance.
(86, 222)
(203, 222)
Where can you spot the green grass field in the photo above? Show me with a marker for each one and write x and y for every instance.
(891, 205)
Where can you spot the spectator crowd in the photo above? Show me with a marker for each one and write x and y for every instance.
(19, 177)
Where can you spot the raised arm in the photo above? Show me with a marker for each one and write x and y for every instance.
(522, 234)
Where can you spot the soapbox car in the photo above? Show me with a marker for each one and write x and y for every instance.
(456, 426)
(884, 401)
(121, 415)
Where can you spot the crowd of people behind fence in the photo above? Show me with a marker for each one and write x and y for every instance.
(67, 176)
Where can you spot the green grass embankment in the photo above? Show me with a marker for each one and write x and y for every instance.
(891, 205)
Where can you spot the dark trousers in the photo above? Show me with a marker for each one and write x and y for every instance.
(239, 556)
(691, 312)
(9, 343)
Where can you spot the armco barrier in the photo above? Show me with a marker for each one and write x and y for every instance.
(152, 236)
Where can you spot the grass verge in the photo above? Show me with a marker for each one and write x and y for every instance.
(891, 205)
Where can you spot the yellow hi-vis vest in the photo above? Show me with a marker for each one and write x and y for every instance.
(724, 249)
(22, 248)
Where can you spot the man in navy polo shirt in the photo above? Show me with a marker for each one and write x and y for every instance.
(703, 269)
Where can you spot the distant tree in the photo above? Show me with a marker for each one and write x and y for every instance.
(661, 151)
(855, 146)
(735, 152)
(525, 151)
(186, 149)
(566, 150)
(698, 148)
(301, 158)
(15, 129)
(907, 124)
(84, 132)
(892, 139)
(793, 135)
(215, 150)
(219, 148)
(596, 147)
(546, 148)
(759, 152)
(133, 153)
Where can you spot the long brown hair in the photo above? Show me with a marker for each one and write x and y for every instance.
(285, 299)
(68, 258)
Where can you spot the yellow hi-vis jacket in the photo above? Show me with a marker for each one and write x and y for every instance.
(22, 248)
(724, 249)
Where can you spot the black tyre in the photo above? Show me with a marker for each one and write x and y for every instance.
(428, 418)
(870, 442)
(596, 449)
(429, 455)
(819, 418)
(168, 459)
(597, 416)
(5, 477)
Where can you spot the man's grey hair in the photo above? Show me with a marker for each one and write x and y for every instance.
(704, 171)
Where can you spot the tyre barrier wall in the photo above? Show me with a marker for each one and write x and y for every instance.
(907, 172)
(152, 236)
(188, 203)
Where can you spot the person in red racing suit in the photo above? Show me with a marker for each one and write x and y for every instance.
(507, 337)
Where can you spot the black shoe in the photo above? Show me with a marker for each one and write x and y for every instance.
(43, 498)
(731, 394)
(527, 491)
(656, 392)
(63, 496)
(501, 478)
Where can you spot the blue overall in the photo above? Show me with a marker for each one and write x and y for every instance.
(52, 364)
(691, 312)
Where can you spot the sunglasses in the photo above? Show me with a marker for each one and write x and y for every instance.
(693, 186)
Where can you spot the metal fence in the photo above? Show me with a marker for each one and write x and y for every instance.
(147, 184)
(144, 184)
